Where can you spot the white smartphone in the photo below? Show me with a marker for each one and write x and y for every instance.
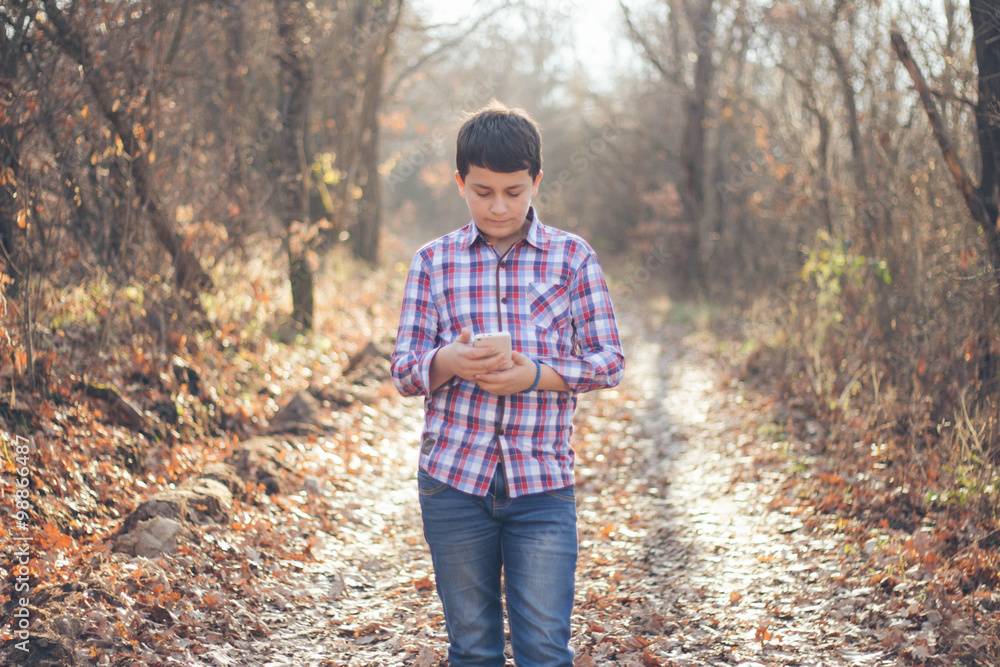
(499, 340)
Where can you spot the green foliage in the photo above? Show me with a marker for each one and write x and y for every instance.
(326, 175)
(92, 310)
(831, 266)
(699, 314)
(970, 481)
(839, 293)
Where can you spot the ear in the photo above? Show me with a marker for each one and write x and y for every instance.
(461, 184)
(534, 186)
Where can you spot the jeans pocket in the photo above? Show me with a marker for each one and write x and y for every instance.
(567, 493)
(427, 485)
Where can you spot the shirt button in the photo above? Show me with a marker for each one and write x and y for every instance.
(500, 431)
(503, 300)
(503, 264)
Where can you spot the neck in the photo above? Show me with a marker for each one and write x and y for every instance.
(505, 244)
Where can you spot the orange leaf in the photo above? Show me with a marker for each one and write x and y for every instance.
(51, 538)
(650, 660)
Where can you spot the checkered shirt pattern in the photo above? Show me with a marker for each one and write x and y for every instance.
(549, 292)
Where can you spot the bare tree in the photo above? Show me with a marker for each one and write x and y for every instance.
(700, 16)
(382, 24)
(983, 201)
(986, 35)
(188, 272)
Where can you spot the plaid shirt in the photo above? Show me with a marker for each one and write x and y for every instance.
(549, 292)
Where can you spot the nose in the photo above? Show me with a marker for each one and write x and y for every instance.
(498, 205)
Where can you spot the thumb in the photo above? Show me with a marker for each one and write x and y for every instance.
(520, 359)
(465, 336)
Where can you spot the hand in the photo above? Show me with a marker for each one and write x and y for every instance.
(513, 380)
(466, 361)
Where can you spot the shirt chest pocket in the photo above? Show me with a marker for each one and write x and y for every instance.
(548, 304)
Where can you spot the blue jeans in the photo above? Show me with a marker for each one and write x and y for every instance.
(533, 540)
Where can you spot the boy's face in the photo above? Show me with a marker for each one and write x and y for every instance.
(498, 201)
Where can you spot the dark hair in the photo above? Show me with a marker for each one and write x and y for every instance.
(499, 139)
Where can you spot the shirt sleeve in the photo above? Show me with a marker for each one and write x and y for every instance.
(417, 339)
(598, 362)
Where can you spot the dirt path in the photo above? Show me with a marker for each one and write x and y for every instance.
(707, 575)
(681, 561)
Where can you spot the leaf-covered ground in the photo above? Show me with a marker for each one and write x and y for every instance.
(710, 534)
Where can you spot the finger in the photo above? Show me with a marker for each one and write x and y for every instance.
(483, 366)
(486, 383)
(520, 359)
(496, 374)
(501, 364)
(465, 336)
(481, 353)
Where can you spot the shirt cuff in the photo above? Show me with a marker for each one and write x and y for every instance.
(599, 370)
(577, 373)
(424, 370)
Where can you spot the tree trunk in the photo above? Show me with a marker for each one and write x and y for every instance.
(235, 183)
(986, 34)
(845, 77)
(368, 229)
(693, 156)
(871, 235)
(293, 167)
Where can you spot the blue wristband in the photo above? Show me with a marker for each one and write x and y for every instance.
(538, 375)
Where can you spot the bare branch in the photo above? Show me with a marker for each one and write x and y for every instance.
(954, 97)
(647, 48)
(175, 43)
(189, 274)
(965, 185)
(442, 48)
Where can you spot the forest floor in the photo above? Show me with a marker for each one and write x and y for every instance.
(701, 543)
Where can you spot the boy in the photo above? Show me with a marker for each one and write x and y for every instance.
(496, 466)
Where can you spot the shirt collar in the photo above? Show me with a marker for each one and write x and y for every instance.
(538, 234)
